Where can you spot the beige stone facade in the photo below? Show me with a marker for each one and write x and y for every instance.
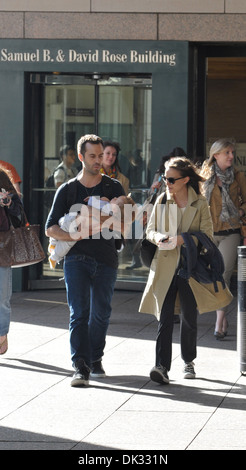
(189, 104)
(186, 20)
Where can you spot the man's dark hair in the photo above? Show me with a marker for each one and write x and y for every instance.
(64, 150)
(92, 138)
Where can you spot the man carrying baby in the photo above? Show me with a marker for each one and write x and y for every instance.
(90, 266)
(113, 215)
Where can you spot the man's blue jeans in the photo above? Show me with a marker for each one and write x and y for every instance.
(90, 287)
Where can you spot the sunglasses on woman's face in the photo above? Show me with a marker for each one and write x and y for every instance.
(172, 180)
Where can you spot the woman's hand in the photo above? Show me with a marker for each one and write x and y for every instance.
(170, 243)
(5, 199)
(156, 185)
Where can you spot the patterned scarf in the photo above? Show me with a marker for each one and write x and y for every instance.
(229, 211)
(112, 172)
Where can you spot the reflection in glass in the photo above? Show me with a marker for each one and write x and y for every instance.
(116, 109)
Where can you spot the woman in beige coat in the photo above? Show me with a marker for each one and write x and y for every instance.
(186, 210)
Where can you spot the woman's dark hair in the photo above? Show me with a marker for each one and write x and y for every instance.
(186, 168)
(164, 159)
(176, 152)
(6, 181)
(116, 145)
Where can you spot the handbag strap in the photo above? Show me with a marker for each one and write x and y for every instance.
(23, 219)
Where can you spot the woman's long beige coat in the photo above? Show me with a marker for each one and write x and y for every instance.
(167, 219)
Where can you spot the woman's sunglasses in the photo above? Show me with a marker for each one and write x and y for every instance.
(172, 180)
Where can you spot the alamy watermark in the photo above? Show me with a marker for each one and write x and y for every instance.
(111, 220)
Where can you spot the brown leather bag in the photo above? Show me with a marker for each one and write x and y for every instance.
(20, 246)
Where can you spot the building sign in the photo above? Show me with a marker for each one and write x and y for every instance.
(97, 56)
(76, 112)
(240, 157)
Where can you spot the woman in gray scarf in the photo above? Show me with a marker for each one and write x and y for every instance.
(225, 190)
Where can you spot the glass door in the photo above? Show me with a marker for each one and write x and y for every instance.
(124, 116)
(115, 108)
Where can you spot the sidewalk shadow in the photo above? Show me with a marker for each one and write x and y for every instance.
(36, 367)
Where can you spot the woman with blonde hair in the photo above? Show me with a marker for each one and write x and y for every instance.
(225, 190)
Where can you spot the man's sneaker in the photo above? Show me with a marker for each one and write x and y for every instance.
(81, 374)
(159, 374)
(189, 371)
(97, 369)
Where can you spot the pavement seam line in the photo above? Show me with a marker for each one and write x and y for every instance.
(108, 417)
(212, 414)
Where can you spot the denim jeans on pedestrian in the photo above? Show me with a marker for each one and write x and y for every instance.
(5, 296)
(90, 287)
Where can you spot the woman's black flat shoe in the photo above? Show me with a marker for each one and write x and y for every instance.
(225, 332)
(218, 335)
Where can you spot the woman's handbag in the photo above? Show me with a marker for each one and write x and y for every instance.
(147, 252)
(20, 246)
(147, 248)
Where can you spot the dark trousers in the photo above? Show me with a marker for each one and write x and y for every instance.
(188, 324)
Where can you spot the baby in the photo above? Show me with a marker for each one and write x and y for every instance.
(59, 248)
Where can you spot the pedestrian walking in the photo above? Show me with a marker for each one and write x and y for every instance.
(90, 266)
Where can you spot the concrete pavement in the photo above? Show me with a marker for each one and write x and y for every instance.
(39, 410)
